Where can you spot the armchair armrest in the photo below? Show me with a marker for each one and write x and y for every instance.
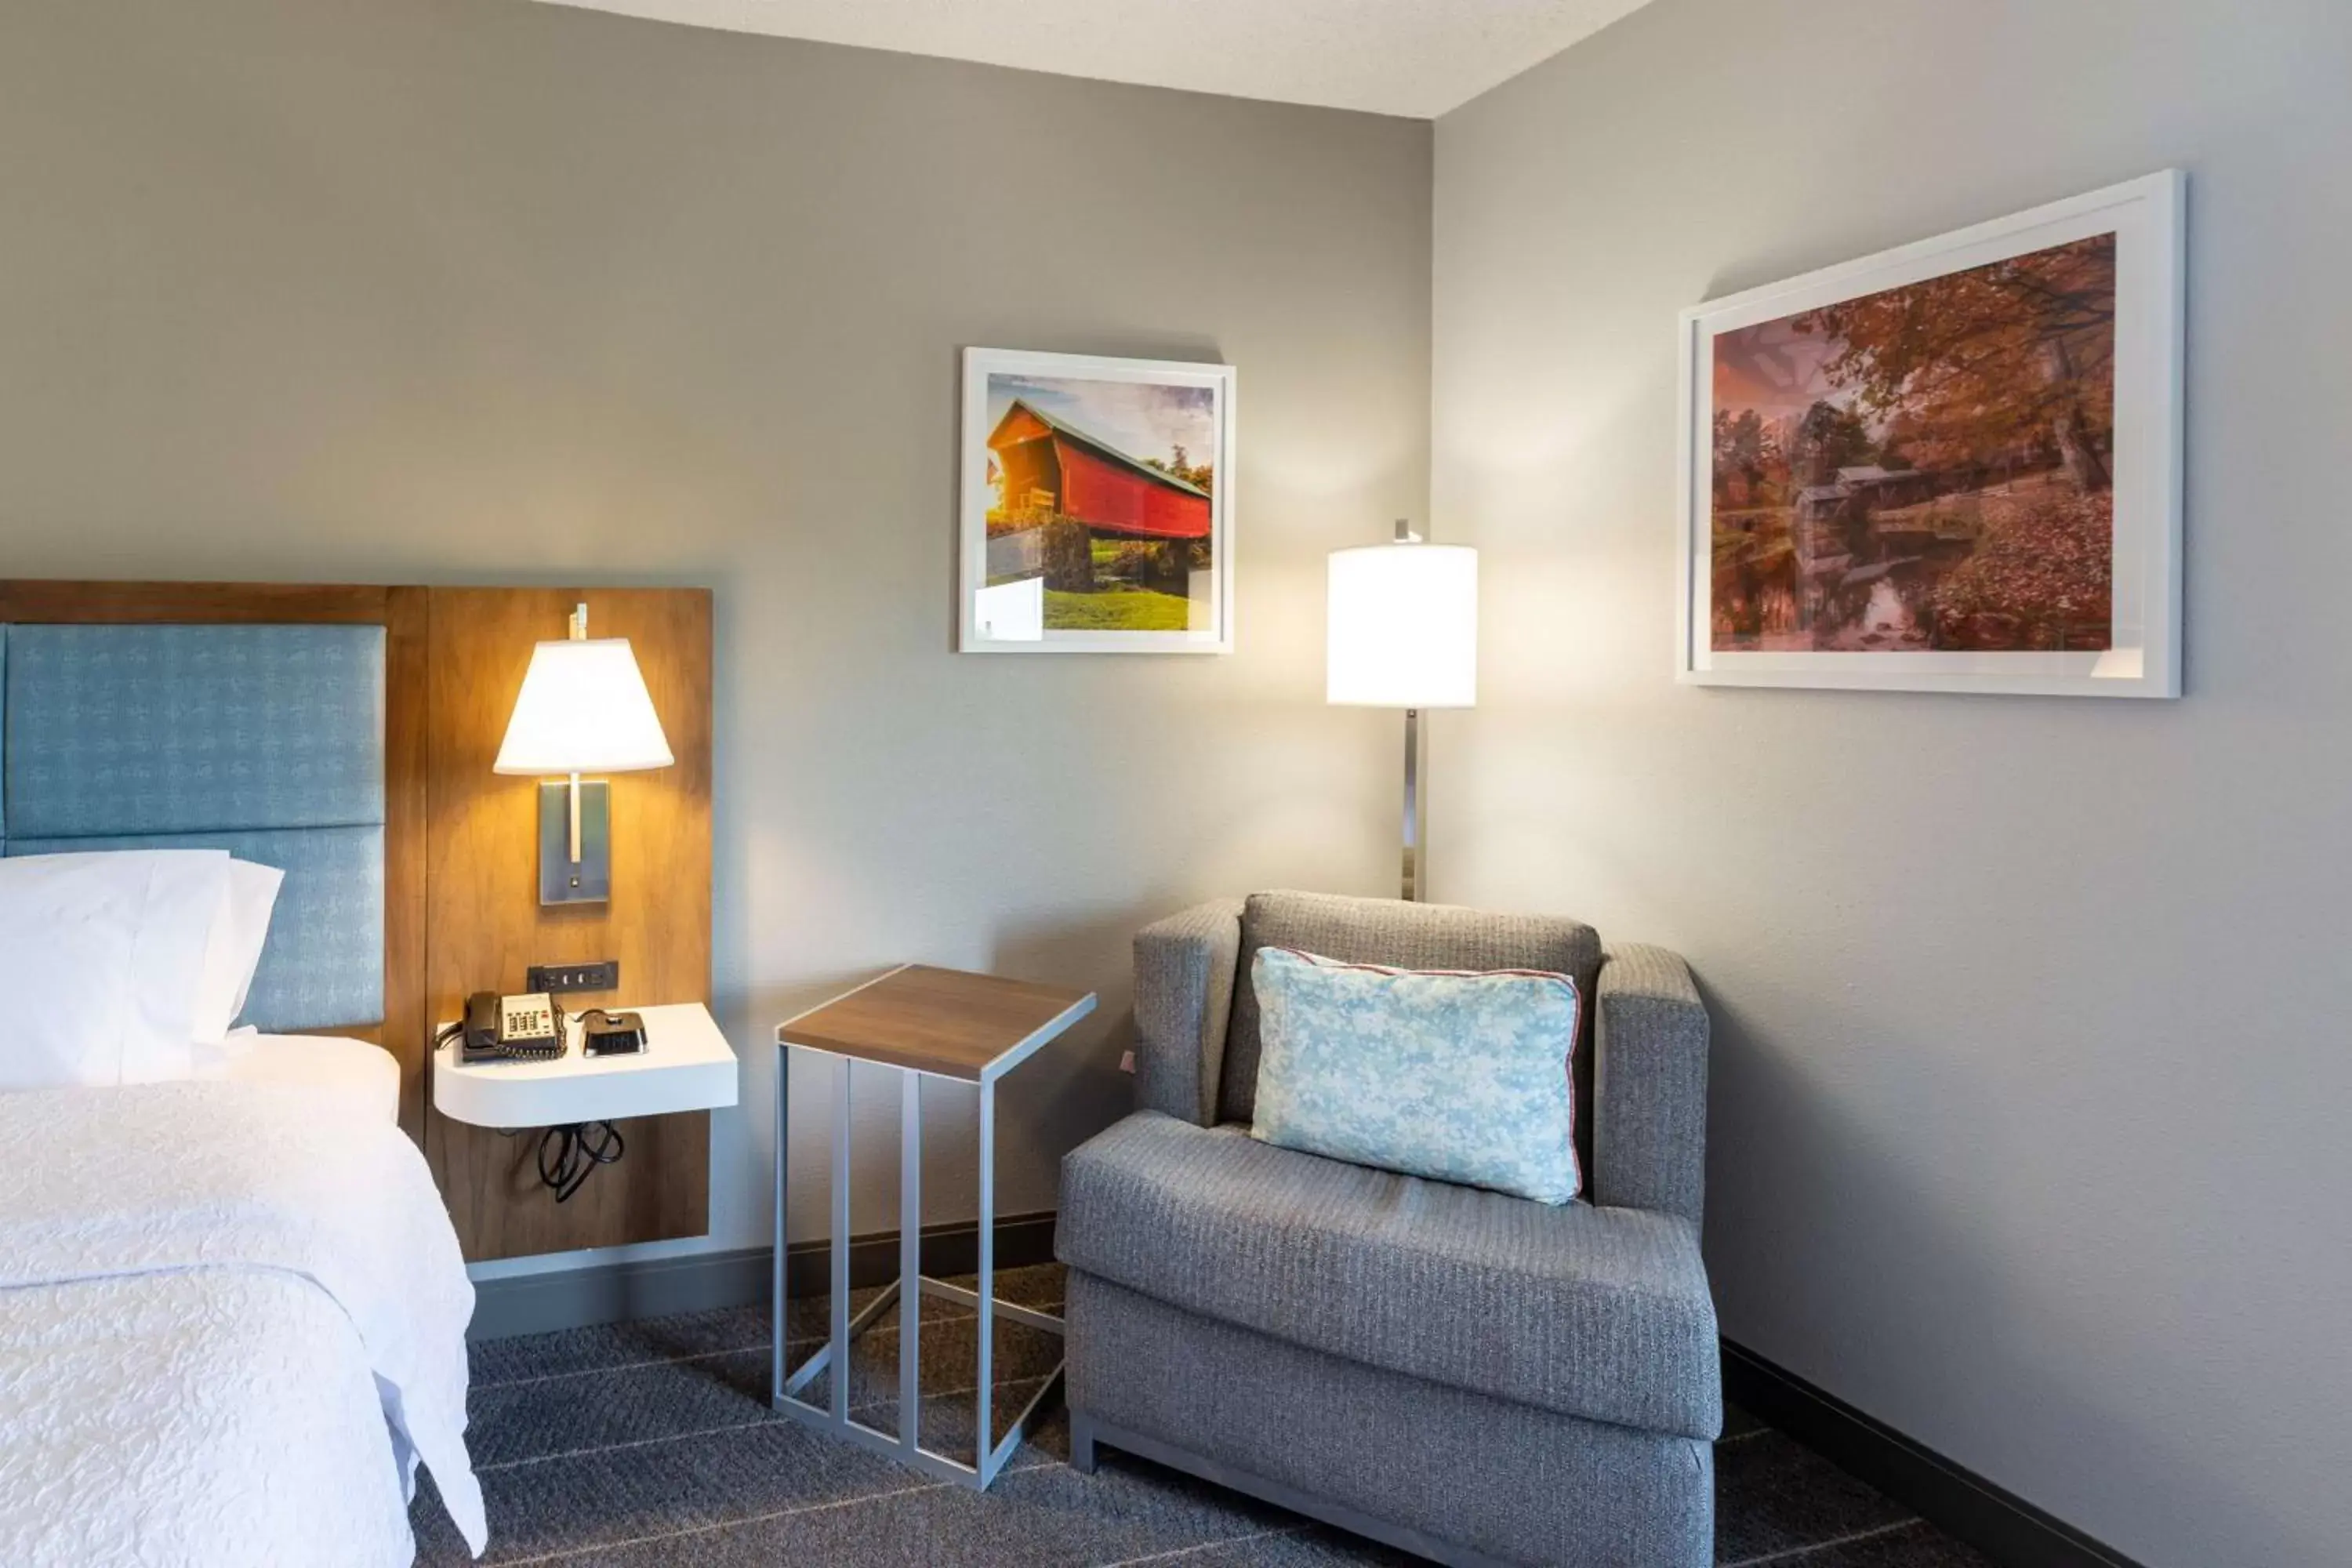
(1183, 999)
(1650, 1039)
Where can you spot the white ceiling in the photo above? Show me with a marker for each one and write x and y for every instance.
(1418, 58)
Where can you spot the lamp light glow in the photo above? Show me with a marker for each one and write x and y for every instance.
(1402, 628)
(583, 709)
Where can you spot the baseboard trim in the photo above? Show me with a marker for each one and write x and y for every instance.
(706, 1281)
(1993, 1519)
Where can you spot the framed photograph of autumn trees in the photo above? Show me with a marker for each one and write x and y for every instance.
(1951, 466)
(1096, 509)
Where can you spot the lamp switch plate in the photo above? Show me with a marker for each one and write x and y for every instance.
(555, 979)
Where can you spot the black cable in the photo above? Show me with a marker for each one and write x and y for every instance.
(568, 1155)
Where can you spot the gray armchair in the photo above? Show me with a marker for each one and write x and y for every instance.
(1471, 1376)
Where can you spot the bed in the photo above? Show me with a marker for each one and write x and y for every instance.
(232, 1307)
(329, 1062)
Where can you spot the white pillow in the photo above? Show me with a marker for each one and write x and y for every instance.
(234, 951)
(101, 958)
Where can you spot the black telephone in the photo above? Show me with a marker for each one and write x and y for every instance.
(511, 1028)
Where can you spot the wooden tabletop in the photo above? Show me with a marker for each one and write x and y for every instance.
(945, 1022)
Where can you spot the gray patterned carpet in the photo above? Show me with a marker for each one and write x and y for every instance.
(651, 1443)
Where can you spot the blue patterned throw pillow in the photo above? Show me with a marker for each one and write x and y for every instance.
(1464, 1078)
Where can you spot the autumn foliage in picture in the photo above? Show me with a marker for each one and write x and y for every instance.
(1927, 467)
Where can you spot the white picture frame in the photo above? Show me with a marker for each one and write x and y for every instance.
(1086, 464)
(2142, 656)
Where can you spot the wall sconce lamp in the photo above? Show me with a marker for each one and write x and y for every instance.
(583, 709)
(1402, 632)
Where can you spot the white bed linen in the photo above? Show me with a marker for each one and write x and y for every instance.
(307, 1061)
(196, 1417)
(233, 954)
(102, 961)
(231, 1320)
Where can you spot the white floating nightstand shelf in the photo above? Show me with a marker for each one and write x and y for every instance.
(687, 1065)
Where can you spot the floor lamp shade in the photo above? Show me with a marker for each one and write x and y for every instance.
(1404, 627)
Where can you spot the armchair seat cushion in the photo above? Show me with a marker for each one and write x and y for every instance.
(1601, 1313)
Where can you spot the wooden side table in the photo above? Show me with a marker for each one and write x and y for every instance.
(927, 1023)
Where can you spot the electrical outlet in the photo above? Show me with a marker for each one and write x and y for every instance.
(556, 979)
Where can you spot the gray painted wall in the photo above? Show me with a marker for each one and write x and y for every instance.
(2029, 1099)
(474, 290)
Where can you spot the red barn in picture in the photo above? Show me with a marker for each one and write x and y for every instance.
(1055, 466)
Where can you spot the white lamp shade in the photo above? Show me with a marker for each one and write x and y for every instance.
(1404, 627)
(583, 710)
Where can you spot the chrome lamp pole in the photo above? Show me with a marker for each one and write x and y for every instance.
(1416, 757)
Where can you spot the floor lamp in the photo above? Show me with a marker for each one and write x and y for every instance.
(1402, 632)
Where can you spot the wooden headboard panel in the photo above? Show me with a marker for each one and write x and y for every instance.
(461, 909)
(487, 924)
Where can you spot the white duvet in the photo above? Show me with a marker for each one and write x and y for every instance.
(231, 1320)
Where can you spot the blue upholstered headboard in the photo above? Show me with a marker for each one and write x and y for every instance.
(265, 741)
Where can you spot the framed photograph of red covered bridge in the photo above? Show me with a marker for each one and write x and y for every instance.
(1096, 509)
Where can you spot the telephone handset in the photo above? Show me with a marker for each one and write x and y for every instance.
(517, 1028)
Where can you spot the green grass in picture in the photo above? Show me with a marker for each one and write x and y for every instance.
(1117, 610)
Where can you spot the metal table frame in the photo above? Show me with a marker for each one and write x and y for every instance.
(785, 1383)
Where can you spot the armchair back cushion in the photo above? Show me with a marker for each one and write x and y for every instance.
(1403, 936)
(1460, 1076)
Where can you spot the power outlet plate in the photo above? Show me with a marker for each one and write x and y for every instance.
(557, 979)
